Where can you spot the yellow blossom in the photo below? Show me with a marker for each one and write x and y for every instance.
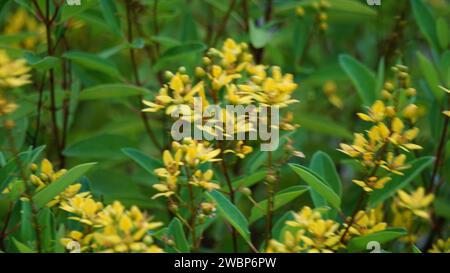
(372, 183)
(441, 246)
(417, 202)
(13, 73)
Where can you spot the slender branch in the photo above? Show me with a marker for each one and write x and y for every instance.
(224, 22)
(440, 155)
(39, 111)
(143, 115)
(245, 14)
(232, 198)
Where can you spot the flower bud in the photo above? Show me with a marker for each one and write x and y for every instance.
(9, 124)
(411, 92)
(300, 11)
(246, 191)
(168, 75)
(200, 72)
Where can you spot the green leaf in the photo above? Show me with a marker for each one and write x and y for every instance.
(176, 232)
(322, 188)
(44, 196)
(425, 21)
(42, 64)
(398, 182)
(322, 125)
(112, 18)
(99, 147)
(69, 11)
(280, 224)
(187, 48)
(178, 51)
(282, 198)
(61, 233)
(249, 180)
(360, 243)
(26, 226)
(443, 32)
(430, 74)
(45, 220)
(415, 249)
(259, 37)
(442, 207)
(323, 165)
(25, 158)
(362, 78)
(93, 62)
(108, 91)
(299, 41)
(147, 163)
(380, 77)
(350, 6)
(232, 214)
(22, 248)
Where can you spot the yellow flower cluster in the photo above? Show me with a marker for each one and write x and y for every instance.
(232, 71)
(23, 23)
(188, 155)
(365, 223)
(407, 208)
(13, 73)
(441, 246)
(321, 9)
(6, 107)
(109, 229)
(44, 175)
(309, 232)
(392, 135)
(330, 90)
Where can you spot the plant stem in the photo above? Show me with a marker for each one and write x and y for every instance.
(143, 115)
(12, 143)
(440, 155)
(232, 199)
(39, 111)
(224, 22)
(48, 22)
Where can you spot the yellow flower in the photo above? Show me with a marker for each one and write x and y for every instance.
(395, 164)
(203, 180)
(172, 164)
(235, 97)
(13, 73)
(23, 22)
(372, 183)
(7, 107)
(118, 230)
(84, 207)
(403, 138)
(273, 91)
(417, 202)
(220, 78)
(411, 112)
(441, 246)
(240, 150)
(46, 175)
(167, 188)
(198, 152)
(312, 234)
(367, 222)
(376, 113)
